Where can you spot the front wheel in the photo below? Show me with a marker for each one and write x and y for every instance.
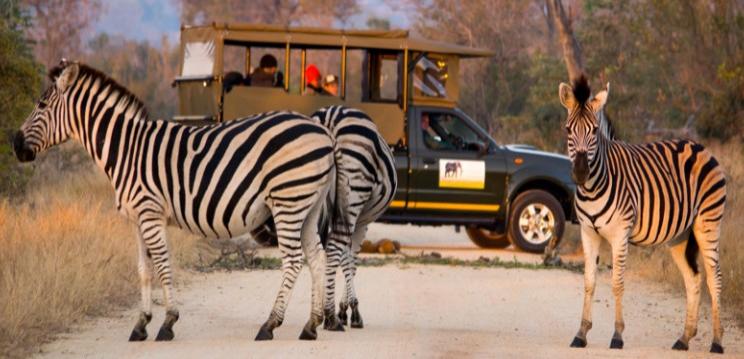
(536, 218)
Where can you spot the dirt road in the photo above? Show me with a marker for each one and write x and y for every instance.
(409, 311)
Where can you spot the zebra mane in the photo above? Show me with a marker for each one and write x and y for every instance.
(606, 126)
(581, 90)
(86, 70)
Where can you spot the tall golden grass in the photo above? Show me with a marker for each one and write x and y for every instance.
(65, 254)
(657, 264)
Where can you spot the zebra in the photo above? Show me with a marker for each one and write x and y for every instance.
(365, 186)
(218, 181)
(643, 194)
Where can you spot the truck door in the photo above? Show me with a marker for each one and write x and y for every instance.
(455, 168)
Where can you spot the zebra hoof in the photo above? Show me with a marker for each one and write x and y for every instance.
(578, 343)
(165, 335)
(138, 335)
(331, 323)
(264, 333)
(356, 320)
(308, 334)
(716, 348)
(342, 316)
(616, 343)
(679, 345)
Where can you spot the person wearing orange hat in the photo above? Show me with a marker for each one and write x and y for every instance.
(312, 81)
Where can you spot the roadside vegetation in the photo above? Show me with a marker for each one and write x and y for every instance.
(66, 254)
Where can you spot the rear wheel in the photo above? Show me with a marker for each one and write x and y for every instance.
(487, 239)
(536, 218)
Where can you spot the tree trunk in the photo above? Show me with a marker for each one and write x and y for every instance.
(571, 48)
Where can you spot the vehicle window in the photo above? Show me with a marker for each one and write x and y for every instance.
(382, 78)
(389, 78)
(354, 74)
(445, 131)
(430, 76)
(198, 58)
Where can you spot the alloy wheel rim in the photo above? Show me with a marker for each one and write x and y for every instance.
(536, 223)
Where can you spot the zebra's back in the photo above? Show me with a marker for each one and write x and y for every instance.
(214, 177)
(363, 159)
(669, 184)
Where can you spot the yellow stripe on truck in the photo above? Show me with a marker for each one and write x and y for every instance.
(447, 206)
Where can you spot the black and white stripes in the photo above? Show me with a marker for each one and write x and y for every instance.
(663, 192)
(218, 181)
(365, 186)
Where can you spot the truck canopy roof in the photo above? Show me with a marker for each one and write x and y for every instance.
(325, 37)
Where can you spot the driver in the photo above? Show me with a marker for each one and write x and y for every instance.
(432, 139)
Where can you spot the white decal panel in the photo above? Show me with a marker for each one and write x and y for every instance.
(462, 174)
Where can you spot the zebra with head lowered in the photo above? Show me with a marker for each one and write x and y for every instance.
(662, 192)
(365, 185)
(217, 181)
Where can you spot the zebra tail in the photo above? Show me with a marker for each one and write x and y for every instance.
(691, 252)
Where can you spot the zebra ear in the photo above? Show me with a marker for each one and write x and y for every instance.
(600, 99)
(67, 77)
(565, 93)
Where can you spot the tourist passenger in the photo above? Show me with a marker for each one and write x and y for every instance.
(264, 75)
(312, 81)
(330, 85)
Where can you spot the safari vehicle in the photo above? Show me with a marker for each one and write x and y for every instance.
(450, 171)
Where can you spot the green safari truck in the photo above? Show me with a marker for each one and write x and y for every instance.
(450, 171)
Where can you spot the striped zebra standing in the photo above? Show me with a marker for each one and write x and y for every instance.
(365, 185)
(662, 192)
(217, 181)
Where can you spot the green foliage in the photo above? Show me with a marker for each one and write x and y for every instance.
(20, 78)
(724, 117)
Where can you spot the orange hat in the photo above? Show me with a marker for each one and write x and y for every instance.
(312, 74)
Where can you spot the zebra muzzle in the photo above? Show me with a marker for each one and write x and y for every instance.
(580, 168)
(23, 153)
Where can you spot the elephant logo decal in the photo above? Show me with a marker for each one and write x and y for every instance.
(453, 169)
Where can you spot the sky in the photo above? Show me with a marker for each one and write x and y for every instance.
(152, 19)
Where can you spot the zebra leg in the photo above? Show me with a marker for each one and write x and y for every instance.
(290, 217)
(619, 256)
(590, 241)
(152, 229)
(707, 233)
(291, 266)
(144, 267)
(692, 280)
(316, 259)
(349, 298)
(356, 244)
(334, 251)
(343, 304)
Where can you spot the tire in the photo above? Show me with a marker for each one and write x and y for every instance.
(484, 238)
(535, 231)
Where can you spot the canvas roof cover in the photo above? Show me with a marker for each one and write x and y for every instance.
(324, 37)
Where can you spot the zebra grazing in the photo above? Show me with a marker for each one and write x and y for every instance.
(662, 192)
(365, 186)
(218, 181)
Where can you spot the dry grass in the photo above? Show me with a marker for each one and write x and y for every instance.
(65, 254)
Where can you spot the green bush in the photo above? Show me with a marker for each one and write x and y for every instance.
(20, 78)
